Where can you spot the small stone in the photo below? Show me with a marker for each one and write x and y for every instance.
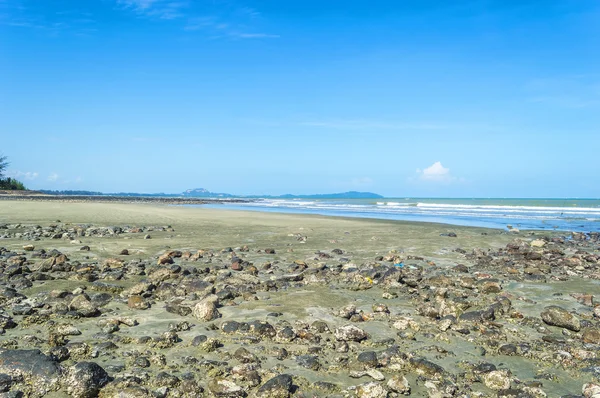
(368, 359)
(84, 306)
(375, 374)
(28, 248)
(399, 384)
(591, 335)
(591, 390)
(225, 388)
(497, 380)
(165, 259)
(347, 311)
(308, 361)
(137, 303)
(124, 252)
(371, 390)
(350, 333)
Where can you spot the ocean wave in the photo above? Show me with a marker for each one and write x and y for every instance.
(513, 208)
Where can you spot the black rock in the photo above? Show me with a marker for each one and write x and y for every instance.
(278, 386)
(86, 379)
(368, 358)
(426, 366)
(308, 361)
(44, 371)
(5, 382)
(196, 341)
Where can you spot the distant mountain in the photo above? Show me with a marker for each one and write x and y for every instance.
(204, 193)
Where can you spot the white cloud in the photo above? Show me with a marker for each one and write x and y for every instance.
(53, 177)
(436, 173)
(25, 175)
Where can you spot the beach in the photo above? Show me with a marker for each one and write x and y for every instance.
(155, 300)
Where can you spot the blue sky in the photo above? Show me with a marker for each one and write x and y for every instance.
(473, 98)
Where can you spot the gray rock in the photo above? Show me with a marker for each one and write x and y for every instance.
(225, 388)
(85, 380)
(368, 359)
(38, 370)
(308, 361)
(557, 316)
(278, 387)
(5, 382)
(206, 310)
(350, 333)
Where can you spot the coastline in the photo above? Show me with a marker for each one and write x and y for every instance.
(438, 311)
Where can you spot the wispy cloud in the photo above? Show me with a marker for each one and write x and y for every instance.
(574, 91)
(53, 177)
(18, 14)
(25, 175)
(217, 19)
(160, 9)
(225, 27)
(253, 35)
(374, 125)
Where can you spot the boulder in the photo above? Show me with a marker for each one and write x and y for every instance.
(557, 316)
(39, 371)
(371, 390)
(277, 387)
(225, 388)
(85, 380)
(497, 380)
(350, 333)
(84, 306)
(206, 310)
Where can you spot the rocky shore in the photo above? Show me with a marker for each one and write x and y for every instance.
(33, 196)
(225, 304)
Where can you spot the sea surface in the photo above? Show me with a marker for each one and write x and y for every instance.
(582, 215)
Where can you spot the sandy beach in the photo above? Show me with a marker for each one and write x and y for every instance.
(154, 300)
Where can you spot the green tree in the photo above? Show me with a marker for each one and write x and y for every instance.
(3, 165)
(8, 183)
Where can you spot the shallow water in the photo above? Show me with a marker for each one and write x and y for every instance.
(542, 214)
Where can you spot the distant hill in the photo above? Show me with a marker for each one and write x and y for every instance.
(201, 192)
(204, 193)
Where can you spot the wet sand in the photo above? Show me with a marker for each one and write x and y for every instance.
(320, 267)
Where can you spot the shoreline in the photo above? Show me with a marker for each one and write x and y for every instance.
(116, 199)
(281, 305)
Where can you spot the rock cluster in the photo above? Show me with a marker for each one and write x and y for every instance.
(237, 322)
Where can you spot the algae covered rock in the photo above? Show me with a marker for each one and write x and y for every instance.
(350, 333)
(278, 387)
(39, 371)
(85, 380)
(557, 316)
(206, 310)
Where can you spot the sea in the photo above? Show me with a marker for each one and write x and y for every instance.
(579, 215)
